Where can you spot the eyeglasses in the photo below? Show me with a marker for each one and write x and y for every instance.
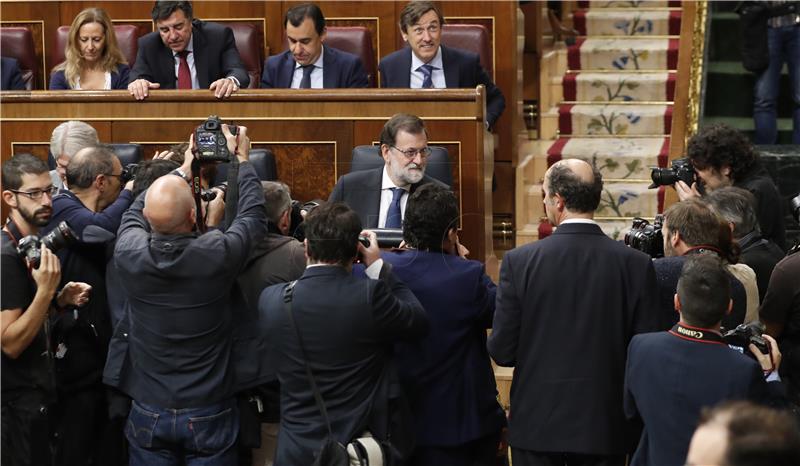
(111, 174)
(431, 28)
(37, 194)
(411, 153)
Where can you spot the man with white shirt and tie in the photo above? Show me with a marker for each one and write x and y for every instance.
(427, 64)
(379, 195)
(309, 64)
(186, 54)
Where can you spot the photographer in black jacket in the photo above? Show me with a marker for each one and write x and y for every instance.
(28, 295)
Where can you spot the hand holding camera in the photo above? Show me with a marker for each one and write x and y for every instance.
(371, 253)
(47, 274)
(771, 360)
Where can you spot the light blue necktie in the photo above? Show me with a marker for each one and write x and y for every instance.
(394, 219)
(427, 71)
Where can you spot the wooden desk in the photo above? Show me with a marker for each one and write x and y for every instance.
(311, 132)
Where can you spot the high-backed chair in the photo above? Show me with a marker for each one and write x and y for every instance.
(438, 167)
(249, 37)
(17, 42)
(126, 153)
(471, 37)
(263, 160)
(358, 41)
(127, 39)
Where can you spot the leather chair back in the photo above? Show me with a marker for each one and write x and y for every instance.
(263, 161)
(249, 37)
(369, 157)
(127, 40)
(472, 38)
(126, 153)
(358, 41)
(17, 42)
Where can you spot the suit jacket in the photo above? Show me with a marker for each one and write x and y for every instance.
(567, 307)
(339, 70)
(119, 79)
(361, 190)
(669, 379)
(461, 69)
(448, 376)
(11, 76)
(348, 326)
(215, 56)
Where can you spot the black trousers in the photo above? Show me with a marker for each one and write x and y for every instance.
(479, 452)
(537, 458)
(25, 431)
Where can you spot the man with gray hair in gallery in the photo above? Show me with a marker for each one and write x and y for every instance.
(67, 139)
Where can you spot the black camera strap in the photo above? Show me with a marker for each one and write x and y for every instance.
(701, 335)
(12, 231)
(197, 191)
(232, 196)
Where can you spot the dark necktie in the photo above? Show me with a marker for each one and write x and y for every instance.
(305, 83)
(427, 72)
(394, 219)
(184, 74)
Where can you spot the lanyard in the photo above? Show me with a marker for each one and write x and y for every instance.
(702, 335)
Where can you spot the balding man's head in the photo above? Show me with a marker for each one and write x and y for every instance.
(169, 206)
(577, 183)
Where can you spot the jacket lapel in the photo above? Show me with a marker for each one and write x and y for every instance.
(404, 71)
(328, 65)
(286, 72)
(200, 59)
(450, 69)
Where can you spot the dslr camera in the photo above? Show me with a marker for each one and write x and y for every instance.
(211, 143)
(30, 246)
(681, 170)
(744, 334)
(647, 237)
(128, 172)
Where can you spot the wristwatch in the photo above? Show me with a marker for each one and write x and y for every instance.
(182, 174)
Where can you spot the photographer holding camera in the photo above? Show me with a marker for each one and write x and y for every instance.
(177, 283)
(671, 376)
(29, 292)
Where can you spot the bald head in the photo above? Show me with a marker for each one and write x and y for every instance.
(576, 183)
(169, 206)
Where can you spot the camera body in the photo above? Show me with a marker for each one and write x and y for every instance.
(30, 246)
(128, 172)
(209, 195)
(681, 170)
(647, 237)
(744, 334)
(211, 143)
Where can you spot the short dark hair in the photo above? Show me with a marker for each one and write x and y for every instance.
(149, 171)
(277, 199)
(401, 122)
(737, 206)
(97, 160)
(332, 231)
(704, 290)
(757, 435)
(163, 9)
(297, 14)
(579, 196)
(18, 165)
(414, 11)
(719, 145)
(431, 212)
(695, 221)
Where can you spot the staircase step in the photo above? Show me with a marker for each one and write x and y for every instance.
(726, 79)
(628, 3)
(626, 87)
(632, 22)
(623, 54)
(617, 158)
(747, 126)
(630, 200)
(614, 119)
(725, 38)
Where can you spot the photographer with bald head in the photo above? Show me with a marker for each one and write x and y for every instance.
(181, 325)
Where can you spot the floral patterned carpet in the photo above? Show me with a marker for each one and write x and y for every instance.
(617, 102)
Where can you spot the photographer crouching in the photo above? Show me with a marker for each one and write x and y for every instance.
(30, 276)
(177, 284)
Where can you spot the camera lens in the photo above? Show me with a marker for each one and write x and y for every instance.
(62, 235)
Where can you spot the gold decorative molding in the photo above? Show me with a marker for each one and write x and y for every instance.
(696, 71)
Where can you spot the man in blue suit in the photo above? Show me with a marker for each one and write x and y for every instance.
(428, 64)
(12, 78)
(448, 375)
(671, 376)
(308, 64)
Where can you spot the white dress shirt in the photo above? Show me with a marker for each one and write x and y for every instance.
(437, 75)
(316, 73)
(386, 199)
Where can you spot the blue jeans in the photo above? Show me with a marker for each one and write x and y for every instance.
(191, 437)
(784, 46)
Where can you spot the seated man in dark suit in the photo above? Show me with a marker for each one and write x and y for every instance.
(343, 327)
(308, 64)
(670, 376)
(186, 54)
(11, 76)
(379, 196)
(428, 64)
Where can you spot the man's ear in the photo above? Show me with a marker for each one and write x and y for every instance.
(385, 152)
(725, 170)
(677, 301)
(285, 222)
(100, 182)
(193, 216)
(10, 198)
(730, 307)
(405, 36)
(305, 249)
(324, 34)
